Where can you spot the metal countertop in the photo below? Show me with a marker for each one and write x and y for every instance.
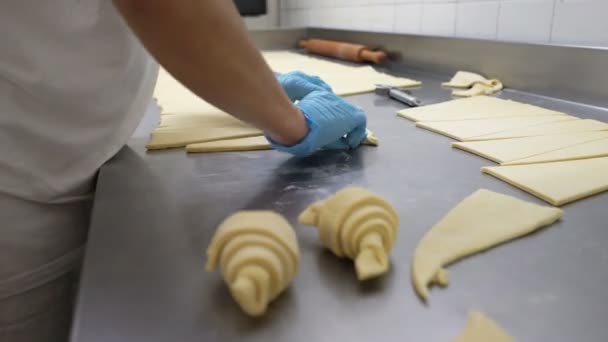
(155, 213)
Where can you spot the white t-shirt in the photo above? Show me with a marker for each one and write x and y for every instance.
(74, 84)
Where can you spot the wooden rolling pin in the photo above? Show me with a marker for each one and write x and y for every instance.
(341, 50)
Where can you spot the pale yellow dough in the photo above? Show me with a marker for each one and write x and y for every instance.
(239, 144)
(344, 78)
(467, 129)
(179, 130)
(480, 328)
(474, 108)
(481, 221)
(467, 84)
(561, 127)
(251, 144)
(506, 150)
(557, 183)
(258, 255)
(592, 149)
(465, 79)
(357, 224)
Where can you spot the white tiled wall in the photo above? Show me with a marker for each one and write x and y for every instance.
(577, 22)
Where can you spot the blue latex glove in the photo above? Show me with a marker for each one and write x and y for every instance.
(333, 123)
(298, 84)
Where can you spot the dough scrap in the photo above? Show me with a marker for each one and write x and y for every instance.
(474, 108)
(480, 328)
(481, 221)
(251, 144)
(357, 224)
(506, 150)
(592, 149)
(557, 183)
(467, 84)
(258, 255)
(344, 78)
(561, 127)
(465, 79)
(467, 129)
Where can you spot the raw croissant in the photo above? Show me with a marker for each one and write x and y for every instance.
(258, 255)
(357, 224)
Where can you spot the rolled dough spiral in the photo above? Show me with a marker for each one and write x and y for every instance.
(258, 255)
(357, 224)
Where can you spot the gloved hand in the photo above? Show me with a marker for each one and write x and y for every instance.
(333, 124)
(298, 84)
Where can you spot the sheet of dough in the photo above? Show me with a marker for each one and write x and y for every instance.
(467, 129)
(478, 107)
(592, 149)
(345, 79)
(506, 150)
(179, 130)
(251, 144)
(562, 127)
(480, 328)
(481, 221)
(557, 183)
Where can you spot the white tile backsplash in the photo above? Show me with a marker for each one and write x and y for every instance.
(578, 22)
(438, 19)
(477, 19)
(525, 20)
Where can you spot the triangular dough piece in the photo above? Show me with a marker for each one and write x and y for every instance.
(505, 150)
(592, 149)
(240, 144)
(557, 183)
(561, 127)
(482, 220)
(466, 129)
(474, 108)
(480, 328)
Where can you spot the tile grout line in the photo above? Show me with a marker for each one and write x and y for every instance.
(552, 21)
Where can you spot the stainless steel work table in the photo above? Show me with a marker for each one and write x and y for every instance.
(155, 212)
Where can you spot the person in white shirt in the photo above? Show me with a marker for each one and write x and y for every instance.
(75, 79)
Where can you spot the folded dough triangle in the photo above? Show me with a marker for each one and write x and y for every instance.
(482, 220)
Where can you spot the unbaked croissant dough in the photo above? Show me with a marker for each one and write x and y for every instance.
(258, 255)
(466, 84)
(251, 144)
(480, 221)
(344, 78)
(592, 149)
(480, 328)
(357, 224)
(561, 127)
(506, 150)
(557, 183)
(466, 129)
(474, 108)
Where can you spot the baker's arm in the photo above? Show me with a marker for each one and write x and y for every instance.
(204, 44)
